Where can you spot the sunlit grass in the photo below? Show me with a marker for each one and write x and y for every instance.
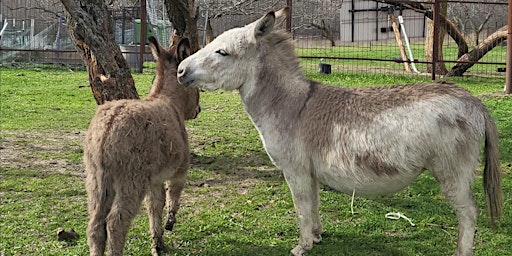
(236, 202)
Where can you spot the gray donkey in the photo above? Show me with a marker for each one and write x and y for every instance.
(132, 147)
(367, 140)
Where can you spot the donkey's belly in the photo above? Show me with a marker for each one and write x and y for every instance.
(365, 183)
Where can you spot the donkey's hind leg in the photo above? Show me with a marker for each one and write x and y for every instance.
(127, 202)
(305, 194)
(99, 204)
(461, 199)
(174, 188)
(456, 186)
(155, 202)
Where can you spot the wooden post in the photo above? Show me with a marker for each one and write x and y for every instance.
(508, 78)
(399, 43)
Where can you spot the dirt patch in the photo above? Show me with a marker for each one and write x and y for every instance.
(494, 95)
(55, 152)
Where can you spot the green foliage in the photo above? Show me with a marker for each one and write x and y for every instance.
(235, 202)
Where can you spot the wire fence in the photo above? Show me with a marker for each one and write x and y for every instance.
(373, 36)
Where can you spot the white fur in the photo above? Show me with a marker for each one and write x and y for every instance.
(372, 150)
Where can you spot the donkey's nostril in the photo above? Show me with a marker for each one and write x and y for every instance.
(181, 71)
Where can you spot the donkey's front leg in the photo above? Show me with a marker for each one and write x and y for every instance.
(305, 193)
(155, 201)
(174, 189)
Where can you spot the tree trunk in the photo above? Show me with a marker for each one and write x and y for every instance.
(469, 59)
(183, 16)
(440, 67)
(455, 34)
(90, 27)
(209, 32)
(449, 27)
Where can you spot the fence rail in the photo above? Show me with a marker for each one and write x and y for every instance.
(391, 36)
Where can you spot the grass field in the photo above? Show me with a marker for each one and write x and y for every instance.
(235, 202)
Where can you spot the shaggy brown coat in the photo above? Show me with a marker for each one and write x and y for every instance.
(131, 148)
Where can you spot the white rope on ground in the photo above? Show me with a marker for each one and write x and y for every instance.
(398, 215)
(352, 202)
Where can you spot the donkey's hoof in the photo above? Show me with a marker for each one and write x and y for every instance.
(298, 251)
(317, 238)
(169, 224)
(159, 249)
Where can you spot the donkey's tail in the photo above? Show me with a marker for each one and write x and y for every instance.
(492, 175)
(100, 197)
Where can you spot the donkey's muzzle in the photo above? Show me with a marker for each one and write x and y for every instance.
(183, 78)
(198, 110)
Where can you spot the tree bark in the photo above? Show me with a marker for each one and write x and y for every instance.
(183, 16)
(209, 32)
(90, 27)
(440, 67)
(469, 59)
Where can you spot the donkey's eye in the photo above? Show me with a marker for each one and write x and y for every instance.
(222, 52)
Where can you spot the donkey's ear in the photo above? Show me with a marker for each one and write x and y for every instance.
(155, 47)
(281, 16)
(183, 50)
(264, 25)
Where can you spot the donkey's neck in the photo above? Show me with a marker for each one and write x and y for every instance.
(164, 84)
(165, 87)
(278, 91)
(274, 93)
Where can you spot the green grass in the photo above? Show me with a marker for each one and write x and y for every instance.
(235, 202)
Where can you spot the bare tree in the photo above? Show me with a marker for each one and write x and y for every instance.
(216, 10)
(466, 58)
(45, 10)
(109, 73)
(321, 15)
(326, 30)
(183, 15)
(471, 18)
(440, 66)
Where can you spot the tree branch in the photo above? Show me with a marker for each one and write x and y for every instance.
(448, 26)
(90, 28)
(469, 59)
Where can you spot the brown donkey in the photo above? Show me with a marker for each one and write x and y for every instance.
(132, 147)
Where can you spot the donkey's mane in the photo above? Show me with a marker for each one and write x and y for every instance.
(161, 68)
(281, 44)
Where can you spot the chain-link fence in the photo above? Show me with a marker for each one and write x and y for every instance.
(36, 31)
(381, 36)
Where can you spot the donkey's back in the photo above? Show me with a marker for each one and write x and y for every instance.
(378, 140)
